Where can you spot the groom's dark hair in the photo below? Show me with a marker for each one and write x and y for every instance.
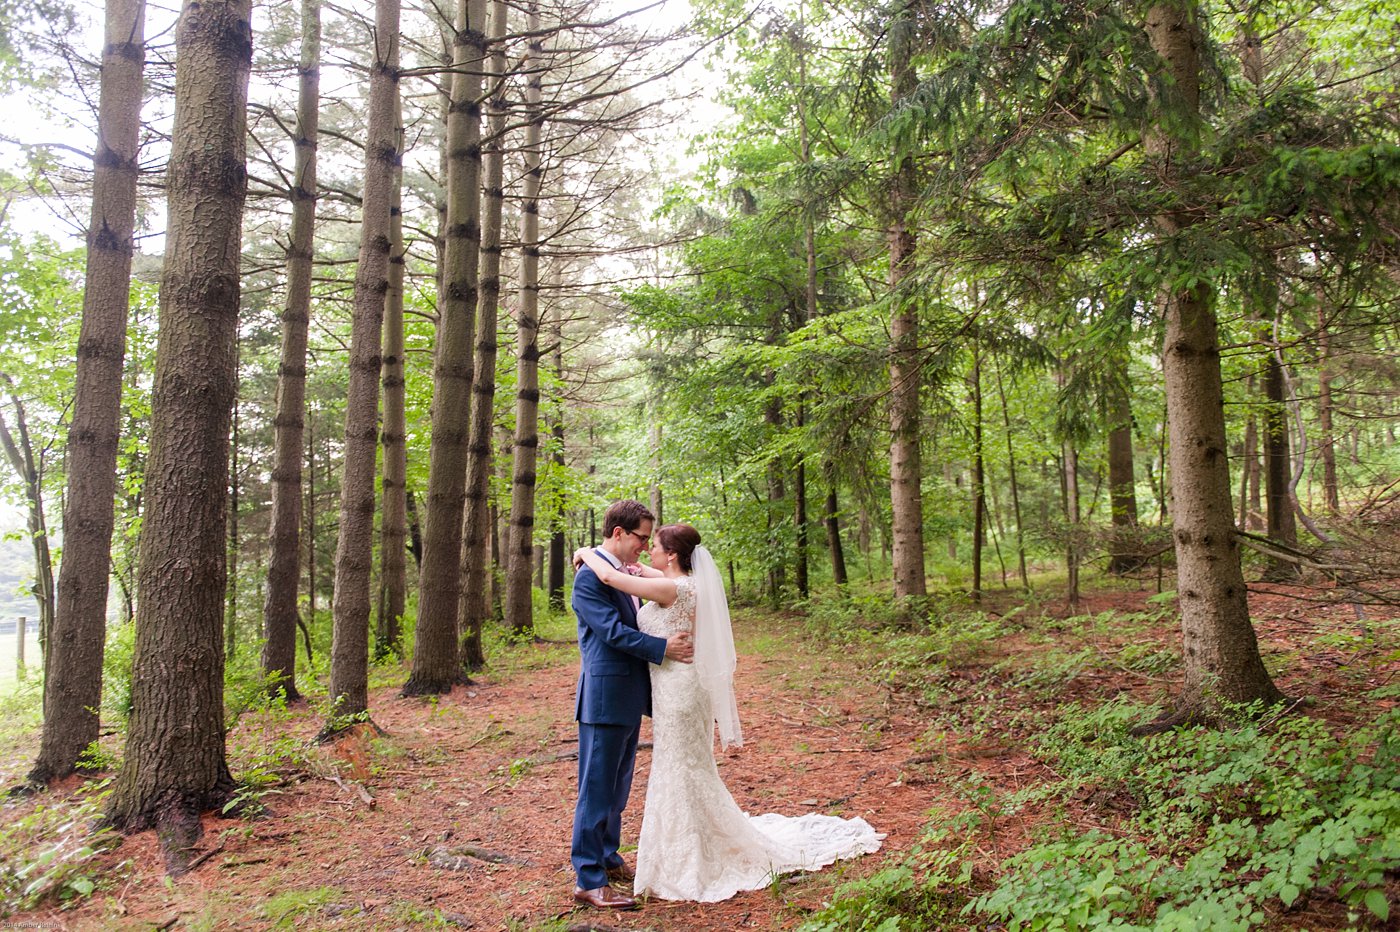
(626, 514)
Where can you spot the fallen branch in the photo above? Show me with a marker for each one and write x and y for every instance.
(203, 857)
(356, 788)
(840, 800)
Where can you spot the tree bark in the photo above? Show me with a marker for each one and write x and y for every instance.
(1121, 480)
(234, 484)
(279, 652)
(1221, 653)
(475, 607)
(1251, 503)
(1277, 457)
(799, 519)
(979, 474)
(809, 313)
(174, 765)
(1015, 487)
(393, 528)
(1278, 468)
(518, 600)
(1327, 439)
(555, 582)
(777, 491)
(350, 604)
(310, 529)
(73, 684)
(906, 469)
(1072, 519)
(20, 452)
(435, 662)
(833, 526)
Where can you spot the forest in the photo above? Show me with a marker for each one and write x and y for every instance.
(1029, 366)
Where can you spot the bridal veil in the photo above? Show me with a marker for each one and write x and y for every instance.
(714, 647)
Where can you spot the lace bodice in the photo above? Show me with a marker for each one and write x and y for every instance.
(664, 621)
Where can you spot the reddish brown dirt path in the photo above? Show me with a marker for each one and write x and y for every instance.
(443, 778)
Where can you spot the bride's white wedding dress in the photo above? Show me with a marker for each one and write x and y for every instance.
(696, 843)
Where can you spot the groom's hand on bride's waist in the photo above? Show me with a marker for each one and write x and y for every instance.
(680, 648)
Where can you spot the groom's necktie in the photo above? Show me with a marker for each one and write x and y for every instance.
(632, 569)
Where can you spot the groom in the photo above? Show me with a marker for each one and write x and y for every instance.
(614, 692)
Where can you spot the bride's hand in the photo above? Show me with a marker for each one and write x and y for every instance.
(578, 557)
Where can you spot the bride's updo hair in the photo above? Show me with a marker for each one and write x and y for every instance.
(681, 540)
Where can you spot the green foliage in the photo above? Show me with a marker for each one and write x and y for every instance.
(1219, 829)
(848, 616)
(289, 909)
(925, 888)
(1227, 825)
(263, 753)
(49, 855)
(116, 672)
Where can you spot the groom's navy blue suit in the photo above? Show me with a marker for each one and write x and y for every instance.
(614, 692)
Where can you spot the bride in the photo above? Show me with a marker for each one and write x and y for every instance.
(696, 843)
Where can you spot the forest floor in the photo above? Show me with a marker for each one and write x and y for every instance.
(399, 830)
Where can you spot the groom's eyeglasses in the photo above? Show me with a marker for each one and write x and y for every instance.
(644, 538)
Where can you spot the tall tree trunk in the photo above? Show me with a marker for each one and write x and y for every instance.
(73, 683)
(906, 469)
(311, 512)
(20, 452)
(435, 664)
(777, 494)
(500, 526)
(555, 582)
(1121, 481)
(1015, 487)
(350, 605)
(1278, 468)
(809, 310)
(1222, 662)
(1327, 439)
(1251, 503)
(174, 765)
(1072, 518)
(475, 606)
(1277, 457)
(231, 609)
(799, 518)
(979, 474)
(279, 652)
(393, 528)
(519, 607)
(833, 526)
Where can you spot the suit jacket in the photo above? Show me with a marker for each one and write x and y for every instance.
(614, 684)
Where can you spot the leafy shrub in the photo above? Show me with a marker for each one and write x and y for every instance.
(116, 673)
(48, 854)
(849, 616)
(1226, 829)
(925, 888)
(1232, 825)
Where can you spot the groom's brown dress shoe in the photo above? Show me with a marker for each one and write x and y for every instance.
(603, 898)
(621, 874)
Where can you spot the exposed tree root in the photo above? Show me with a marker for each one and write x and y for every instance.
(1192, 716)
(330, 732)
(422, 686)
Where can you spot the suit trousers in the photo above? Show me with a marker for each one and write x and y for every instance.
(606, 755)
